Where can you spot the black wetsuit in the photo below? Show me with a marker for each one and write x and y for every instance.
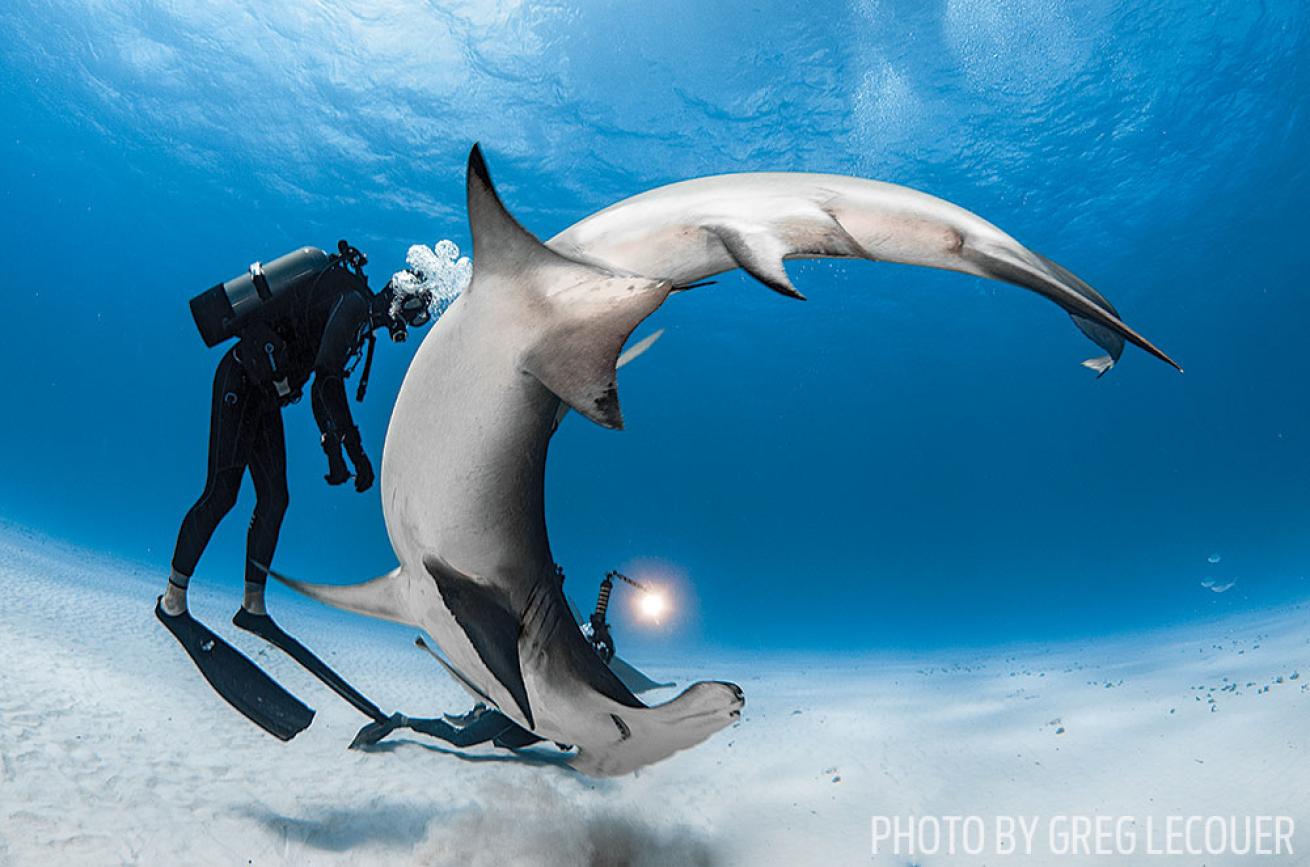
(322, 325)
(479, 727)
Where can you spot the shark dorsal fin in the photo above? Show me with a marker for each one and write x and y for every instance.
(582, 314)
(500, 243)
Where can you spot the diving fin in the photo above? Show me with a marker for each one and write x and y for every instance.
(264, 626)
(237, 680)
(375, 731)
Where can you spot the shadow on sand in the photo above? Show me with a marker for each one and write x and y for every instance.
(393, 825)
(543, 757)
(527, 820)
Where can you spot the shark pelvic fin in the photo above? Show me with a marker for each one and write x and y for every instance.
(491, 624)
(382, 597)
(632, 353)
(578, 358)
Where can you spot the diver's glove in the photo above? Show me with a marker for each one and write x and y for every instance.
(363, 468)
(337, 472)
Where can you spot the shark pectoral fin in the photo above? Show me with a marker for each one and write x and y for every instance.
(632, 678)
(627, 674)
(759, 254)
(552, 640)
(383, 597)
(489, 621)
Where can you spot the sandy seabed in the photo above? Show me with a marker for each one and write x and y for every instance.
(113, 750)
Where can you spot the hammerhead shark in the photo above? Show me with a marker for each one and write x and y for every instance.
(539, 329)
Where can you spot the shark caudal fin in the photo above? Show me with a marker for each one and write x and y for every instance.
(589, 312)
(383, 597)
(1104, 337)
(1095, 317)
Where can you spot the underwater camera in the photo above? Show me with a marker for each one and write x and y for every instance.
(597, 629)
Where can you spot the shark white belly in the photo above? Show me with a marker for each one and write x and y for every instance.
(463, 469)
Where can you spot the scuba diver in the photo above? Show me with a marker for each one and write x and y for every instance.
(483, 724)
(478, 726)
(304, 314)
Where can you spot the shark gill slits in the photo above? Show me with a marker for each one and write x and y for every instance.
(624, 731)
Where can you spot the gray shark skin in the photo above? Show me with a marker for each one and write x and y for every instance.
(463, 468)
(695, 229)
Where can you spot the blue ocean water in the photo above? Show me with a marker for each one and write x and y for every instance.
(908, 459)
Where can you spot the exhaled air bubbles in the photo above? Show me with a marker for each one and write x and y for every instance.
(439, 269)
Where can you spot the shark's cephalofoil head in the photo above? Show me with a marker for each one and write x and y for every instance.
(463, 479)
(639, 739)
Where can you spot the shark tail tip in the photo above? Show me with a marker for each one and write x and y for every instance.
(1169, 361)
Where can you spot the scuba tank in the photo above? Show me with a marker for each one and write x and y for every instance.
(222, 311)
